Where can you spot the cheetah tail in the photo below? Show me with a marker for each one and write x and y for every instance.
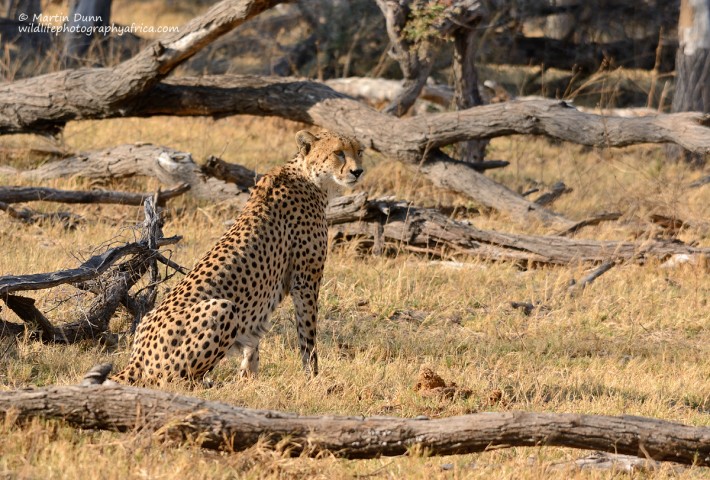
(97, 375)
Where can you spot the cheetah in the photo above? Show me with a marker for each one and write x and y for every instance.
(277, 246)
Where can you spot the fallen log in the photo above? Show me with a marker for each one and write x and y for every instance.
(168, 166)
(100, 275)
(30, 217)
(216, 425)
(230, 172)
(400, 225)
(416, 140)
(43, 104)
(86, 271)
(380, 90)
(45, 194)
(316, 103)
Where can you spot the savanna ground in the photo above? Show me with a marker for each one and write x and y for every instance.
(634, 342)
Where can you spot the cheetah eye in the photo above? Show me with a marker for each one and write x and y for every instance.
(340, 154)
(359, 153)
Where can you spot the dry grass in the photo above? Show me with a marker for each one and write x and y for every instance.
(636, 342)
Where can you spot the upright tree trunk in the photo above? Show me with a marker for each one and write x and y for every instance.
(85, 16)
(328, 20)
(466, 94)
(414, 57)
(692, 89)
(15, 8)
(560, 26)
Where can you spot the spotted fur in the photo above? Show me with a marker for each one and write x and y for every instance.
(277, 246)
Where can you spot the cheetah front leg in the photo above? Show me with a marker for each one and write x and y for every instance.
(305, 302)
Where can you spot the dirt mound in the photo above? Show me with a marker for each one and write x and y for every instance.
(430, 384)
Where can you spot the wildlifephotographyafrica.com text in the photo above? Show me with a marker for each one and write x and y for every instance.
(84, 24)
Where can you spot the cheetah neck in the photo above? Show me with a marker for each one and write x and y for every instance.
(325, 184)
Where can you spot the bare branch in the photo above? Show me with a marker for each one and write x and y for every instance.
(45, 194)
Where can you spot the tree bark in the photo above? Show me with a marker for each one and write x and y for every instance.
(379, 90)
(84, 17)
(415, 139)
(408, 139)
(168, 166)
(45, 194)
(111, 283)
(401, 225)
(692, 87)
(412, 140)
(414, 58)
(212, 181)
(215, 425)
(88, 270)
(45, 103)
(466, 94)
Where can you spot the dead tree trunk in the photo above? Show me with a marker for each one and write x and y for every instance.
(49, 101)
(400, 225)
(413, 29)
(466, 94)
(45, 103)
(168, 166)
(692, 87)
(111, 283)
(412, 140)
(85, 16)
(44, 194)
(414, 57)
(212, 181)
(219, 426)
(27, 7)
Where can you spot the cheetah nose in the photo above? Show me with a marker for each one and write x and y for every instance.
(356, 173)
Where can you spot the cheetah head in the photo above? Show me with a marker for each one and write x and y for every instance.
(331, 160)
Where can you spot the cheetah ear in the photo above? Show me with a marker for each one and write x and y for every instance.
(305, 140)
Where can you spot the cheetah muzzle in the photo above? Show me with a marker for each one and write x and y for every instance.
(277, 246)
